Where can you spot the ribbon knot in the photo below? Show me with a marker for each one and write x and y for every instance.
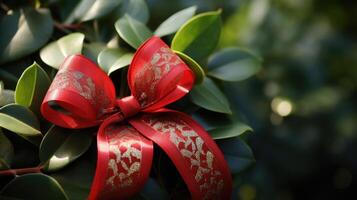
(82, 95)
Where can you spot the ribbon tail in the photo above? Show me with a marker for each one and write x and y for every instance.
(124, 161)
(196, 156)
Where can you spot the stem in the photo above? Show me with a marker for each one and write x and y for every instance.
(21, 171)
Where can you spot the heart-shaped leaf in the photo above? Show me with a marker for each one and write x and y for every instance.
(32, 87)
(22, 121)
(237, 153)
(233, 64)
(23, 32)
(6, 151)
(54, 53)
(196, 68)
(132, 31)
(92, 50)
(233, 130)
(207, 95)
(111, 60)
(91, 9)
(33, 187)
(199, 36)
(175, 21)
(137, 9)
(61, 146)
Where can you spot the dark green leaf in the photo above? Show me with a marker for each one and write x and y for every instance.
(233, 130)
(237, 153)
(54, 53)
(175, 21)
(20, 120)
(6, 151)
(111, 60)
(32, 87)
(33, 187)
(6, 96)
(92, 50)
(233, 64)
(207, 95)
(152, 190)
(91, 9)
(199, 36)
(62, 146)
(196, 68)
(23, 32)
(132, 31)
(137, 9)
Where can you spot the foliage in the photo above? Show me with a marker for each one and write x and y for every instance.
(108, 32)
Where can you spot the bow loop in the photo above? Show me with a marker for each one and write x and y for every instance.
(157, 76)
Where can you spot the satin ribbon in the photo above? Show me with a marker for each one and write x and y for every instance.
(82, 95)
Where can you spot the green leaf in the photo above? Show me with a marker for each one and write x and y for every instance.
(132, 31)
(237, 153)
(137, 9)
(32, 87)
(152, 190)
(196, 68)
(33, 187)
(20, 120)
(6, 151)
(111, 60)
(54, 53)
(207, 95)
(92, 9)
(199, 36)
(23, 32)
(175, 21)
(233, 130)
(233, 64)
(6, 96)
(62, 146)
(92, 50)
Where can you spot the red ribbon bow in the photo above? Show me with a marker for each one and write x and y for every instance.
(82, 95)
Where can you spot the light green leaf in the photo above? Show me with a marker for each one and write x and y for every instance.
(233, 64)
(54, 53)
(22, 121)
(62, 146)
(23, 32)
(207, 95)
(195, 67)
(199, 36)
(33, 187)
(137, 9)
(32, 87)
(233, 130)
(92, 9)
(175, 21)
(132, 31)
(92, 50)
(6, 151)
(111, 60)
(237, 153)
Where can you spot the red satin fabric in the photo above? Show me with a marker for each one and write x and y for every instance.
(81, 95)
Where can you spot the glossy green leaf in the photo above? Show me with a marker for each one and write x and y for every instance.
(32, 87)
(111, 60)
(132, 31)
(33, 187)
(62, 146)
(23, 32)
(195, 67)
(237, 153)
(175, 21)
(233, 130)
(92, 9)
(199, 36)
(6, 151)
(207, 95)
(92, 50)
(137, 9)
(54, 53)
(233, 64)
(20, 120)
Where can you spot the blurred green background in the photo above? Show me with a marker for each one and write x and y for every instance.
(302, 105)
